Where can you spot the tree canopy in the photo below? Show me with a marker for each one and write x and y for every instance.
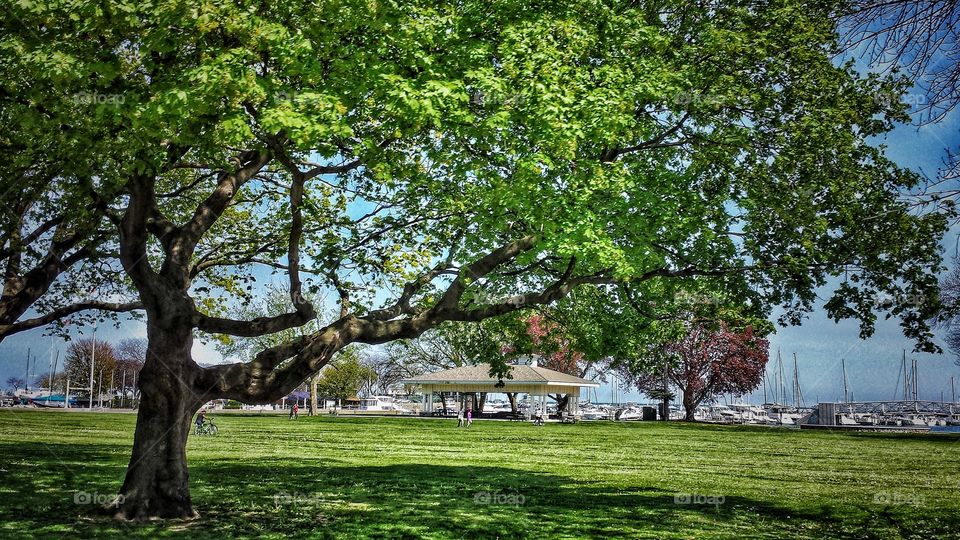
(455, 124)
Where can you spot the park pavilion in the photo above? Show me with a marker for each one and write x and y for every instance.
(537, 382)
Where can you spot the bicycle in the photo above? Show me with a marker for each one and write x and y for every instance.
(207, 428)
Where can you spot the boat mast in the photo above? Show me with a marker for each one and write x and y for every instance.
(50, 374)
(26, 375)
(796, 382)
(843, 366)
(916, 386)
(53, 374)
(896, 387)
(783, 389)
(904, 362)
(796, 399)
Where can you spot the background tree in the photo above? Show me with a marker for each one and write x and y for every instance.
(707, 362)
(430, 162)
(598, 333)
(580, 335)
(77, 364)
(424, 354)
(949, 316)
(343, 379)
(57, 382)
(131, 356)
(387, 372)
(16, 383)
(919, 40)
(274, 302)
(662, 393)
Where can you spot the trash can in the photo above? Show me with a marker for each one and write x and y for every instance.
(649, 413)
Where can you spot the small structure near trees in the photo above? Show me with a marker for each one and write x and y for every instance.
(529, 379)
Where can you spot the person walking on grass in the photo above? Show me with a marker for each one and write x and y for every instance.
(460, 418)
(469, 417)
(295, 412)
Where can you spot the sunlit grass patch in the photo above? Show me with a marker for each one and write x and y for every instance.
(265, 476)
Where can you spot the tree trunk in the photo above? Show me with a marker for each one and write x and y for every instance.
(156, 483)
(314, 381)
(512, 397)
(689, 406)
(483, 401)
(562, 401)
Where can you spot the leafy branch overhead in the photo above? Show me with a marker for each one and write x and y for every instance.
(623, 145)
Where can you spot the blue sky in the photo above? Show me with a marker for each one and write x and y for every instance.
(872, 365)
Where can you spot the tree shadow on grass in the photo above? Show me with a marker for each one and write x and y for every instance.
(464, 501)
(324, 498)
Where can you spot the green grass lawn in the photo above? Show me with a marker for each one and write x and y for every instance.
(266, 476)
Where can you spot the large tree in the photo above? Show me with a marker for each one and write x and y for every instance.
(452, 161)
(706, 362)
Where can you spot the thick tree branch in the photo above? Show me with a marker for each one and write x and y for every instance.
(259, 326)
(133, 232)
(482, 267)
(302, 306)
(402, 305)
(182, 246)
